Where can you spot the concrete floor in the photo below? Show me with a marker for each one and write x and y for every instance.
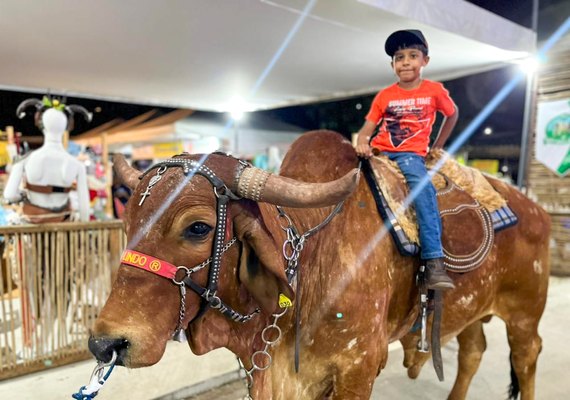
(180, 374)
(493, 377)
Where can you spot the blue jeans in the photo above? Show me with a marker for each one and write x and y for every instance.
(425, 203)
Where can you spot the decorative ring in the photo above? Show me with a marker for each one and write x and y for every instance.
(266, 329)
(256, 366)
(285, 253)
(181, 282)
(283, 215)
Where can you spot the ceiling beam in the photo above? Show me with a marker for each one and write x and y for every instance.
(166, 119)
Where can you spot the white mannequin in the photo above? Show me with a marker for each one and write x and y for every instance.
(50, 165)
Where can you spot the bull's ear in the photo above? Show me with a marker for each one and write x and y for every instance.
(261, 267)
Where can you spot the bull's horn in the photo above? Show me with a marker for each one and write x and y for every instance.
(127, 174)
(21, 110)
(259, 185)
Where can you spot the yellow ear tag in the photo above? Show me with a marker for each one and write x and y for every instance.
(284, 301)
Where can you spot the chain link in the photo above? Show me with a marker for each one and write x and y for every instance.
(182, 312)
(182, 285)
(209, 260)
(292, 249)
(262, 354)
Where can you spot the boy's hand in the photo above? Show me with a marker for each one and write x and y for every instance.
(364, 150)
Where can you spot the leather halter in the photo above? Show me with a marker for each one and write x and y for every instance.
(208, 293)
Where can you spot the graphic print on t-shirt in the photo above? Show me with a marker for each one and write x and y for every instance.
(404, 119)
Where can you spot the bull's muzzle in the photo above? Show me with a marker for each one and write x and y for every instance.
(102, 349)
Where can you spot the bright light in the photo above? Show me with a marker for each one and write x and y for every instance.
(237, 115)
(488, 130)
(529, 65)
(237, 108)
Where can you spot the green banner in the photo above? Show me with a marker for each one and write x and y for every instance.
(552, 143)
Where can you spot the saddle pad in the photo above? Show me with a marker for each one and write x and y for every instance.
(503, 218)
(468, 228)
(406, 247)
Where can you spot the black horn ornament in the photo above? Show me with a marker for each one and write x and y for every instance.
(21, 110)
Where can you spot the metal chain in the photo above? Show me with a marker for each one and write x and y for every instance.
(209, 260)
(292, 248)
(264, 354)
(182, 312)
(182, 286)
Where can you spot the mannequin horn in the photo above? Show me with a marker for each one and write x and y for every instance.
(21, 110)
(73, 108)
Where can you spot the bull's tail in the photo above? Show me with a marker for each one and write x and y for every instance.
(514, 388)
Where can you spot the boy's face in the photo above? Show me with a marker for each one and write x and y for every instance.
(408, 64)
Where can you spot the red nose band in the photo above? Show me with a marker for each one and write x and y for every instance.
(148, 263)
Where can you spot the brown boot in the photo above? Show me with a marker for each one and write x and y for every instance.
(436, 277)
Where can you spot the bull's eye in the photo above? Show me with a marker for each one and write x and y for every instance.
(196, 231)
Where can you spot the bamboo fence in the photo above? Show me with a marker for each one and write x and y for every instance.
(55, 279)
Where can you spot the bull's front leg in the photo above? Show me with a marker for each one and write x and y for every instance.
(356, 370)
(352, 386)
(332, 371)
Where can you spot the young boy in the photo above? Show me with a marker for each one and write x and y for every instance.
(406, 111)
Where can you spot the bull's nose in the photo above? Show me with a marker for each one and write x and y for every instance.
(102, 348)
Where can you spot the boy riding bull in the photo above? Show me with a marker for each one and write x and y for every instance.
(406, 112)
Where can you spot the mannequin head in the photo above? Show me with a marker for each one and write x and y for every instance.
(52, 115)
(54, 121)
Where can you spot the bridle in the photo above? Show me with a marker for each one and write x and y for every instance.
(292, 248)
(163, 268)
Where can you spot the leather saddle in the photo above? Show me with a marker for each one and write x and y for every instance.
(468, 234)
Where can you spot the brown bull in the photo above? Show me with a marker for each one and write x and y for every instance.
(357, 293)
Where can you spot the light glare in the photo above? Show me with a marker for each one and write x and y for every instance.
(237, 108)
(529, 65)
(236, 115)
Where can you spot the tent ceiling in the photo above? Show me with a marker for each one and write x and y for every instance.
(202, 53)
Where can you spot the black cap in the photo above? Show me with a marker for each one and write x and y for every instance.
(406, 37)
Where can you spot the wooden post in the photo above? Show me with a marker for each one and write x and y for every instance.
(10, 134)
(108, 174)
(65, 139)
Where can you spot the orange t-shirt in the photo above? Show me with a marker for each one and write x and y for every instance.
(407, 116)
